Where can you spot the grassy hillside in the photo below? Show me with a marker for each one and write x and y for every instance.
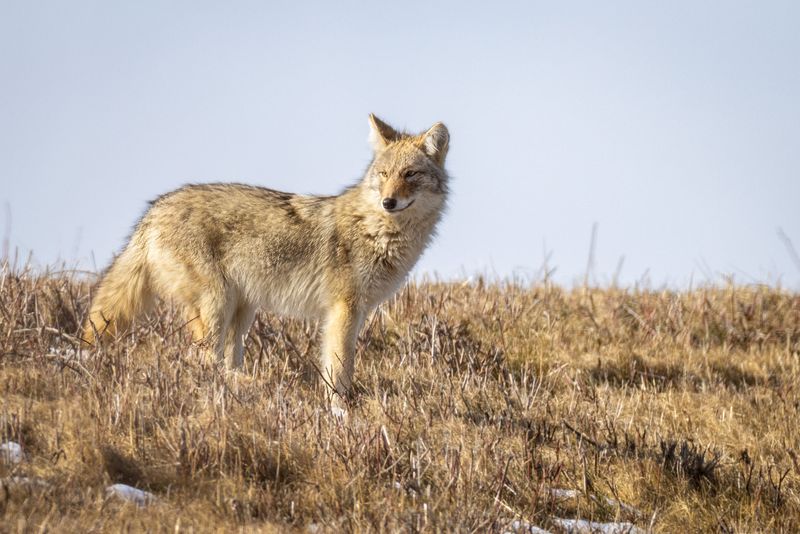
(473, 402)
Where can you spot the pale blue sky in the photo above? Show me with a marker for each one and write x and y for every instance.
(675, 126)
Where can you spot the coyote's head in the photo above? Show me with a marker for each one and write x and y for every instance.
(407, 173)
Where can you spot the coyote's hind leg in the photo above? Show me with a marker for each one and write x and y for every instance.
(208, 319)
(236, 334)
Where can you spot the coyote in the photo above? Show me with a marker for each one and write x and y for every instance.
(224, 250)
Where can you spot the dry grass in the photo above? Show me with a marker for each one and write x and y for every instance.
(472, 402)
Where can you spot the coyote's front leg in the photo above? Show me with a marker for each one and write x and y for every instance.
(339, 346)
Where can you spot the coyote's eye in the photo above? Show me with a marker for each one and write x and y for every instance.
(382, 174)
(410, 174)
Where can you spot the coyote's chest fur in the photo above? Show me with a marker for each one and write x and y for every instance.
(363, 266)
(391, 252)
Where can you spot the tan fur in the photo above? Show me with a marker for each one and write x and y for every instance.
(225, 250)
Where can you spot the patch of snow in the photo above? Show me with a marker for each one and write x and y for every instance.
(562, 494)
(11, 452)
(526, 528)
(339, 413)
(68, 353)
(583, 526)
(130, 494)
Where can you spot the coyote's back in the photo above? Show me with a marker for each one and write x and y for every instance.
(225, 250)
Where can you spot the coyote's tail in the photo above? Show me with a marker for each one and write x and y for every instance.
(123, 293)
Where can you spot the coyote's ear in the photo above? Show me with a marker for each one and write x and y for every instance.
(435, 142)
(380, 133)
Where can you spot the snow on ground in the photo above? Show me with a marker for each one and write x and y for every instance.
(576, 526)
(130, 494)
(583, 526)
(518, 526)
(11, 452)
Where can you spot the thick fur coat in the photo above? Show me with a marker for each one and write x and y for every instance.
(222, 251)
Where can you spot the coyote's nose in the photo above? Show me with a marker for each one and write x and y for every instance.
(389, 203)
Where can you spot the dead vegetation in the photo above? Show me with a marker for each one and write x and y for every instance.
(472, 403)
